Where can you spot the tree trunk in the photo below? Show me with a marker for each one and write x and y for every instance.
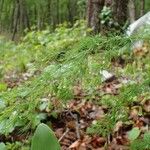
(132, 11)
(94, 8)
(142, 7)
(49, 12)
(1, 12)
(16, 19)
(120, 11)
(24, 21)
(1, 6)
(71, 10)
(40, 17)
(108, 3)
(12, 18)
(57, 14)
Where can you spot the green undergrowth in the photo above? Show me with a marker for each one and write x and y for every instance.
(67, 58)
(38, 48)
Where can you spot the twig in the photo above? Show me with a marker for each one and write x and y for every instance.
(67, 130)
(75, 116)
(77, 127)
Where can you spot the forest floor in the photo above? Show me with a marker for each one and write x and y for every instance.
(109, 104)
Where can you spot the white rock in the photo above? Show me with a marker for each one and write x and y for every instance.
(106, 75)
(137, 25)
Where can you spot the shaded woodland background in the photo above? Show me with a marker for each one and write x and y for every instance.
(16, 16)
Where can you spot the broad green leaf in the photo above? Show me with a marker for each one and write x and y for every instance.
(44, 139)
(2, 146)
(134, 133)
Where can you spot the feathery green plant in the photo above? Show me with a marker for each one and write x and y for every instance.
(66, 58)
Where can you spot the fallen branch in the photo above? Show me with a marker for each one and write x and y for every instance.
(67, 130)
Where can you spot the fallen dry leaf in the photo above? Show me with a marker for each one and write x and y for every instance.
(75, 145)
(147, 106)
(118, 125)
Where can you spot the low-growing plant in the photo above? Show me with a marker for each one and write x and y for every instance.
(44, 139)
(141, 144)
(64, 59)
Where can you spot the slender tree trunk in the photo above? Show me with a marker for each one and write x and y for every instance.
(12, 18)
(16, 18)
(54, 14)
(71, 10)
(142, 7)
(1, 13)
(39, 20)
(26, 17)
(108, 3)
(21, 19)
(132, 10)
(94, 8)
(49, 12)
(24, 20)
(35, 13)
(1, 6)
(57, 15)
(40, 15)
